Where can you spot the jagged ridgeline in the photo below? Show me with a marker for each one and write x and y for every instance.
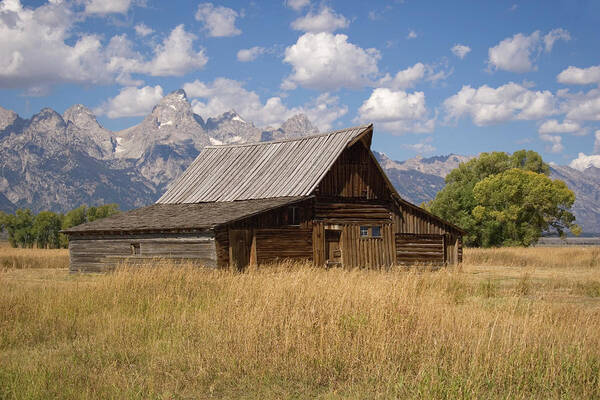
(58, 162)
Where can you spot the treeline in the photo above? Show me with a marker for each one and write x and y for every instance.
(25, 229)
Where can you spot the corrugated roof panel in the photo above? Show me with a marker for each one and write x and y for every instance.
(260, 170)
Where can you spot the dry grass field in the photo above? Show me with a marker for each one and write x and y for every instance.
(509, 323)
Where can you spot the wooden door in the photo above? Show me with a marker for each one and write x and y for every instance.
(333, 251)
(240, 244)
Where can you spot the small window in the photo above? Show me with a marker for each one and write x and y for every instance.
(376, 231)
(364, 231)
(135, 249)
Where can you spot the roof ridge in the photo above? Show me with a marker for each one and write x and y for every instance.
(290, 139)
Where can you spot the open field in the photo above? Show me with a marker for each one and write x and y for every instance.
(509, 323)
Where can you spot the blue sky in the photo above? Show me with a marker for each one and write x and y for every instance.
(434, 77)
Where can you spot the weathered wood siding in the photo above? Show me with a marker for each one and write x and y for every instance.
(97, 253)
(354, 175)
(420, 248)
(274, 244)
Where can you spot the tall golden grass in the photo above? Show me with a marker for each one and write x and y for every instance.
(291, 330)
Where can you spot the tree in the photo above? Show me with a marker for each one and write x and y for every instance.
(456, 202)
(20, 228)
(516, 206)
(46, 229)
(103, 211)
(75, 217)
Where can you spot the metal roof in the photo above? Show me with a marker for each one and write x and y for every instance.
(261, 170)
(169, 217)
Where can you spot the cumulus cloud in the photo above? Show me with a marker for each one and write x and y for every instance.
(581, 106)
(460, 50)
(221, 95)
(553, 126)
(326, 61)
(107, 6)
(519, 52)
(582, 162)
(486, 105)
(246, 55)
(297, 5)
(131, 102)
(411, 34)
(175, 56)
(397, 111)
(326, 20)
(35, 52)
(580, 76)
(409, 77)
(555, 143)
(143, 30)
(219, 21)
(40, 50)
(597, 142)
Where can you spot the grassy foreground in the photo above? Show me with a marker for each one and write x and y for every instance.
(511, 323)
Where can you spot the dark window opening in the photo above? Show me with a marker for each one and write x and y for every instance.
(376, 231)
(294, 215)
(364, 231)
(135, 249)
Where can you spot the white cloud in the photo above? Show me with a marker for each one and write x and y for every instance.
(143, 30)
(325, 20)
(411, 34)
(553, 126)
(219, 21)
(518, 53)
(246, 55)
(131, 102)
(176, 55)
(35, 53)
(580, 76)
(597, 142)
(422, 147)
(397, 111)
(107, 6)
(297, 5)
(555, 34)
(409, 77)
(486, 105)
(41, 50)
(581, 106)
(326, 61)
(460, 50)
(221, 95)
(555, 143)
(583, 162)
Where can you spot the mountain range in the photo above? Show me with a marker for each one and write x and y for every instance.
(58, 162)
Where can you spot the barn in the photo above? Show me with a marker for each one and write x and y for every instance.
(322, 198)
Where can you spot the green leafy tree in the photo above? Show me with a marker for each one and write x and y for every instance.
(103, 211)
(456, 202)
(516, 206)
(20, 228)
(46, 229)
(75, 217)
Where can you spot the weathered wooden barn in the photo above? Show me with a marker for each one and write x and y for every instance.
(321, 198)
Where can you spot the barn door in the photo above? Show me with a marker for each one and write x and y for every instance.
(333, 251)
(240, 243)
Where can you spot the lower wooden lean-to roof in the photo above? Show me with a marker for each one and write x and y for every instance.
(181, 217)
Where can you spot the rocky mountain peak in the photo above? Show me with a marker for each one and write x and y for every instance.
(47, 120)
(7, 118)
(297, 126)
(80, 115)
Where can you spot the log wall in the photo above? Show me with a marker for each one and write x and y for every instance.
(99, 253)
(274, 244)
(420, 248)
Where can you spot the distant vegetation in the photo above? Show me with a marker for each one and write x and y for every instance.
(510, 323)
(43, 230)
(505, 200)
